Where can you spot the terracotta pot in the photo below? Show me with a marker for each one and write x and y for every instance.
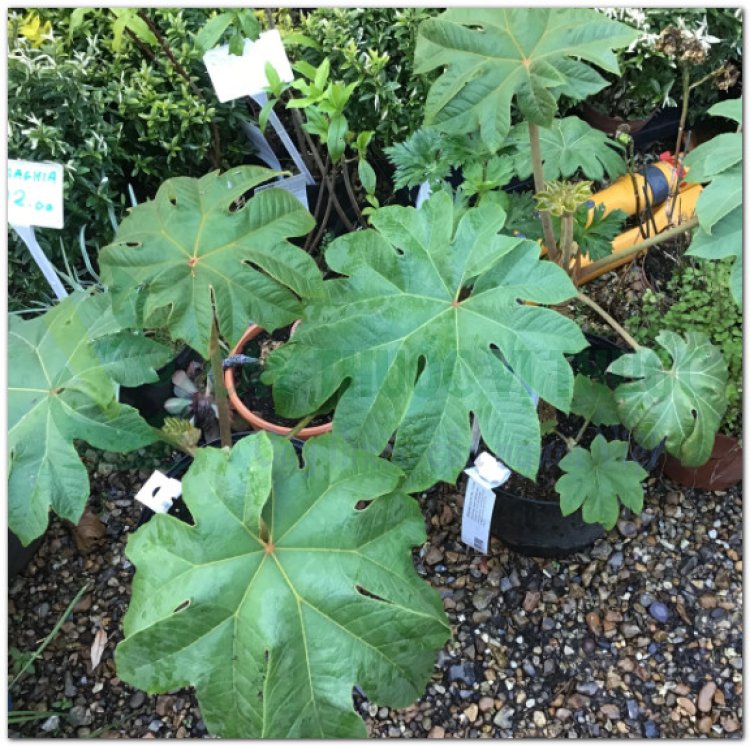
(722, 470)
(254, 420)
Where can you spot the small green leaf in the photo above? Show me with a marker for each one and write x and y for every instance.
(236, 43)
(338, 128)
(367, 176)
(274, 81)
(594, 401)
(284, 595)
(321, 74)
(599, 480)
(248, 23)
(683, 404)
(212, 31)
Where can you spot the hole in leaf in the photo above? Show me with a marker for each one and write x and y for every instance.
(182, 606)
(364, 592)
(133, 244)
(363, 504)
(421, 362)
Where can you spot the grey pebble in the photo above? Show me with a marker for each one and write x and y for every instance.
(633, 709)
(51, 723)
(80, 715)
(137, 699)
(504, 718)
(659, 612)
(155, 726)
(590, 688)
(650, 730)
(616, 560)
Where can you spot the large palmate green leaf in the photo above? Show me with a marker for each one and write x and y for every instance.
(566, 146)
(415, 329)
(491, 55)
(293, 586)
(59, 391)
(599, 480)
(683, 403)
(193, 249)
(719, 207)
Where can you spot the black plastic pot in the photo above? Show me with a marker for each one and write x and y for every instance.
(537, 528)
(18, 555)
(149, 398)
(179, 509)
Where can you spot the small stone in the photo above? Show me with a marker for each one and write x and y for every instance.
(472, 711)
(705, 696)
(589, 646)
(539, 719)
(463, 672)
(601, 551)
(730, 723)
(633, 709)
(155, 726)
(704, 724)
(616, 560)
(433, 556)
(563, 714)
(686, 704)
(504, 718)
(589, 688)
(136, 700)
(42, 610)
(630, 630)
(611, 712)
(51, 723)
(650, 729)
(594, 623)
(79, 715)
(531, 601)
(483, 598)
(71, 690)
(659, 612)
(486, 704)
(708, 601)
(627, 528)
(437, 731)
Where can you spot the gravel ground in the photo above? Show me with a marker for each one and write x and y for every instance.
(641, 636)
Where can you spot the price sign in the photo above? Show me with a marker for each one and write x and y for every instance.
(35, 194)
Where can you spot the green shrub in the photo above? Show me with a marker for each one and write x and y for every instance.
(374, 46)
(697, 299)
(114, 119)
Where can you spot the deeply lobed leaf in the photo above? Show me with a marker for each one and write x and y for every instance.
(426, 328)
(682, 404)
(594, 401)
(59, 391)
(283, 595)
(194, 249)
(599, 480)
(491, 56)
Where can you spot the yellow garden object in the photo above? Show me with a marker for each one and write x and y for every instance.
(656, 177)
(684, 210)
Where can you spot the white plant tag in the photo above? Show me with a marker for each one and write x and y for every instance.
(479, 501)
(35, 194)
(159, 492)
(477, 515)
(234, 76)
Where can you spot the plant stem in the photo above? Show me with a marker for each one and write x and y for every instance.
(645, 244)
(350, 192)
(566, 239)
(580, 433)
(300, 426)
(323, 173)
(671, 198)
(183, 73)
(220, 391)
(619, 329)
(309, 243)
(536, 160)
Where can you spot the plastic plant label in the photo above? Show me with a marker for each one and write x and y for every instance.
(234, 76)
(295, 185)
(479, 502)
(35, 194)
(486, 474)
(159, 492)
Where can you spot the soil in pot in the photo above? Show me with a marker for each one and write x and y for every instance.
(253, 393)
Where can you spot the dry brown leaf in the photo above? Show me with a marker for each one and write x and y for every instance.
(88, 532)
(97, 647)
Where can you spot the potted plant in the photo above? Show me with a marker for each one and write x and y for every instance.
(435, 315)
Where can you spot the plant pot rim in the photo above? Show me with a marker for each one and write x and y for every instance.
(256, 421)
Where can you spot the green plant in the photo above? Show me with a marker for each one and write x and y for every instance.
(648, 72)
(293, 585)
(61, 388)
(697, 299)
(372, 47)
(117, 119)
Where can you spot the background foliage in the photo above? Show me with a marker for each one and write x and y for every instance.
(113, 118)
